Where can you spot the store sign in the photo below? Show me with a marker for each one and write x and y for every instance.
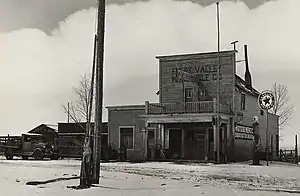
(243, 132)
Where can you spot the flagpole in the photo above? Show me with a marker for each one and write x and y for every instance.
(218, 87)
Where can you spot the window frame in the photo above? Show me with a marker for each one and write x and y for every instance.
(186, 93)
(152, 129)
(133, 131)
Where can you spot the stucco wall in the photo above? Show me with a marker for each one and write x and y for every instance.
(127, 117)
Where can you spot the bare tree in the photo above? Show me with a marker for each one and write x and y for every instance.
(282, 106)
(79, 109)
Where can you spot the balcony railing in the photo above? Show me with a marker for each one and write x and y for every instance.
(185, 108)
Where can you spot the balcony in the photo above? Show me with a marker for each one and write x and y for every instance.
(185, 108)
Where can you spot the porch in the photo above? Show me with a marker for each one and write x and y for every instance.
(190, 141)
(187, 130)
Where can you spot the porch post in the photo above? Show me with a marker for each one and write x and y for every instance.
(182, 142)
(228, 141)
(163, 137)
(215, 142)
(223, 142)
(232, 139)
(146, 141)
(206, 143)
(216, 133)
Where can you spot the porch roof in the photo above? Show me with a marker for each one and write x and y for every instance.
(183, 118)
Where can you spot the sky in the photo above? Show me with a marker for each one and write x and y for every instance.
(39, 65)
(45, 14)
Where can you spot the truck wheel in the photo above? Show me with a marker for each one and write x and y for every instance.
(38, 154)
(8, 154)
(25, 157)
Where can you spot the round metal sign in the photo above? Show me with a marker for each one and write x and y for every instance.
(266, 100)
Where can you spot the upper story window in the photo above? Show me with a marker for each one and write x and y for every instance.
(189, 94)
(243, 101)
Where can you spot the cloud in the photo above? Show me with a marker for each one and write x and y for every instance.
(38, 70)
(45, 14)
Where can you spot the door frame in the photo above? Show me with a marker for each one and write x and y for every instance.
(133, 133)
(169, 130)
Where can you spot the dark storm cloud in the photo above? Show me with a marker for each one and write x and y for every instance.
(45, 14)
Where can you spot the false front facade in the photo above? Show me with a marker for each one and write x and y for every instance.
(182, 124)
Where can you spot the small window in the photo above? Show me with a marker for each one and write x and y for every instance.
(189, 92)
(243, 101)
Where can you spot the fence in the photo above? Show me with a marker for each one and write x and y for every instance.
(288, 156)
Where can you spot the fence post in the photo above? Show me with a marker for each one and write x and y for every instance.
(280, 155)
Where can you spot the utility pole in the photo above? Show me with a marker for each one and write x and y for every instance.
(87, 163)
(218, 88)
(232, 135)
(99, 91)
(68, 112)
(267, 136)
(296, 149)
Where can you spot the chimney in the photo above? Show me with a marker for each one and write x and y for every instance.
(248, 80)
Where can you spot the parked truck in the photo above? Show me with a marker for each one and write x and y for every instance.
(27, 145)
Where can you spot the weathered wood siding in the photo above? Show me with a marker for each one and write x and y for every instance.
(205, 66)
(245, 118)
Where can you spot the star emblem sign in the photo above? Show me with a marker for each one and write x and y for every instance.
(266, 100)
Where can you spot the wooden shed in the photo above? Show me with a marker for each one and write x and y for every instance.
(49, 132)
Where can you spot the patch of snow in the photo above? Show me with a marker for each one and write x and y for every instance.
(149, 178)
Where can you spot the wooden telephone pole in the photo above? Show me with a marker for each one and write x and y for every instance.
(99, 92)
(296, 149)
(87, 163)
(217, 136)
(68, 112)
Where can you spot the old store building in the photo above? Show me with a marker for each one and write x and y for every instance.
(182, 122)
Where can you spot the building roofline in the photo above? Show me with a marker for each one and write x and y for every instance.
(127, 107)
(252, 91)
(49, 126)
(104, 122)
(166, 57)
